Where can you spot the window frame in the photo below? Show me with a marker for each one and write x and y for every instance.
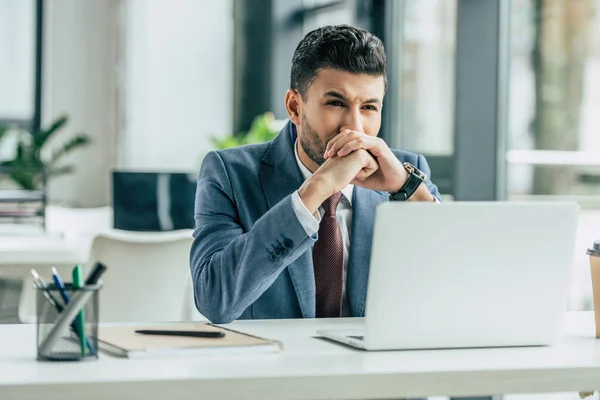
(34, 122)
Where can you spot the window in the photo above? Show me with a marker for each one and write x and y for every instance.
(553, 139)
(418, 111)
(17, 63)
(337, 13)
(427, 81)
(554, 98)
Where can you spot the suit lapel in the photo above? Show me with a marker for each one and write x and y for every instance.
(280, 177)
(364, 203)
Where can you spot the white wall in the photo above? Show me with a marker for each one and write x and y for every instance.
(79, 80)
(177, 83)
(149, 80)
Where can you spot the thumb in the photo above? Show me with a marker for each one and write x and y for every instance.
(369, 167)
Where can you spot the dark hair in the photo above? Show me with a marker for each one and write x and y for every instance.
(340, 47)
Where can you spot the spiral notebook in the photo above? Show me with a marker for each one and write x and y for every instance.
(123, 341)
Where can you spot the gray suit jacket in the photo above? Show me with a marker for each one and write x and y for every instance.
(251, 257)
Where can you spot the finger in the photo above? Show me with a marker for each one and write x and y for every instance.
(340, 141)
(366, 143)
(364, 174)
(344, 133)
(336, 139)
(361, 176)
(369, 163)
(330, 143)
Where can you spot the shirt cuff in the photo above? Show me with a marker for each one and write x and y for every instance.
(309, 222)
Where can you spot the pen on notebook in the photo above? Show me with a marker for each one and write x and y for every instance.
(198, 334)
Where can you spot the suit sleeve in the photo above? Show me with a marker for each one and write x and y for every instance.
(309, 222)
(423, 166)
(231, 268)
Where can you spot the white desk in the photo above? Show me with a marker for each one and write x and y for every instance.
(67, 242)
(42, 250)
(308, 368)
(18, 254)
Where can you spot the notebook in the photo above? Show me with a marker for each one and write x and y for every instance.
(123, 341)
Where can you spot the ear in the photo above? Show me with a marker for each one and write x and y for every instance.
(293, 105)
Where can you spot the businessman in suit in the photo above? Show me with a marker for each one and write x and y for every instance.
(284, 228)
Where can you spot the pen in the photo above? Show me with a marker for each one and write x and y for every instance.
(54, 302)
(198, 334)
(95, 274)
(77, 276)
(42, 286)
(65, 296)
(61, 286)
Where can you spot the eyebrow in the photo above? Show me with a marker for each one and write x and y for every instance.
(340, 96)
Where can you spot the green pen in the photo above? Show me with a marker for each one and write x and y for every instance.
(80, 319)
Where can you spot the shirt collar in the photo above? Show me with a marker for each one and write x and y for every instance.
(346, 192)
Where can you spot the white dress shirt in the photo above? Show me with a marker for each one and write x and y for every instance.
(311, 222)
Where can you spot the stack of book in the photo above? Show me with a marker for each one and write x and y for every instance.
(22, 206)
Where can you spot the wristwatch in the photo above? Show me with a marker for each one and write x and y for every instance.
(415, 178)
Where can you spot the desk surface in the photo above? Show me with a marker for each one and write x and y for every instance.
(308, 368)
(42, 250)
(66, 242)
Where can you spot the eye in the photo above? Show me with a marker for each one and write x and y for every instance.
(335, 103)
(371, 107)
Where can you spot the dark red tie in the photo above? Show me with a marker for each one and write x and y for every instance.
(328, 261)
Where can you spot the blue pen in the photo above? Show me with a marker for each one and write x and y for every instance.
(65, 296)
(61, 286)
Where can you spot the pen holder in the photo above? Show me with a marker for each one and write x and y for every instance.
(67, 332)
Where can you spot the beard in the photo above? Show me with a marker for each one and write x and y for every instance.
(311, 143)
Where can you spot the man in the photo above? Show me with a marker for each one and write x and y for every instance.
(284, 229)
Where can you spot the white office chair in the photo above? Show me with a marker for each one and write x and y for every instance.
(147, 275)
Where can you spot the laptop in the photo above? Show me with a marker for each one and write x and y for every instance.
(153, 201)
(467, 275)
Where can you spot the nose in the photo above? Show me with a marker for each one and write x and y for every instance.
(353, 120)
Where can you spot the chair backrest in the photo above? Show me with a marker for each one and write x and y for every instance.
(146, 276)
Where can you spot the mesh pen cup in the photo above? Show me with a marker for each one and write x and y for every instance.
(67, 331)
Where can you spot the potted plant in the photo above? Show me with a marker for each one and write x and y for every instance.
(262, 130)
(32, 163)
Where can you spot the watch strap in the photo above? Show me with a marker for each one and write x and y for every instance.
(408, 189)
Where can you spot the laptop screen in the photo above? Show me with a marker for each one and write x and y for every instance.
(153, 201)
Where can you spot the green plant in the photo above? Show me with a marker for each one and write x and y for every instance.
(32, 163)
(260, 131)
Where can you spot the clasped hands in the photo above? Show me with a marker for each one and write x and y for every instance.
(379, 168)
(353, 158)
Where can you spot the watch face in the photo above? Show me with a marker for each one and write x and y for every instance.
(414, 170)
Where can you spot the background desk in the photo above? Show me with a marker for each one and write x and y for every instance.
(308, 368)
(160, 259)
(22, 247)
(18, 254)
(34, 251)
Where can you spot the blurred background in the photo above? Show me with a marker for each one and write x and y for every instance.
(103, 101)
